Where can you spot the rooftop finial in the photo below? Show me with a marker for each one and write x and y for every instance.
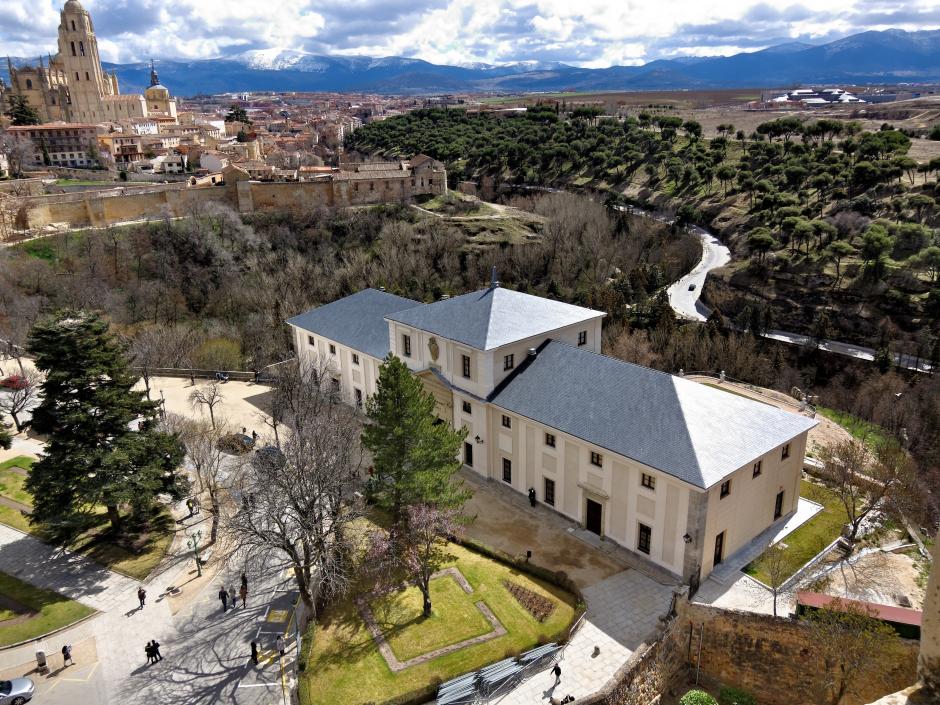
(154, 80)
(494, 282)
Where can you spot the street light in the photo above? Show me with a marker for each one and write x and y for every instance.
(193, 543)
(162, 405)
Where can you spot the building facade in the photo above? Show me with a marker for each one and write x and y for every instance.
(682, 474)
(72, 86)
(60, 144)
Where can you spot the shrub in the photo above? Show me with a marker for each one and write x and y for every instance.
(235, 444)
(219, 354)
(735, 696)
(537, 605)
(697, 697)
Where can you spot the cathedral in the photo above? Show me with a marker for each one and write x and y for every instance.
(72, 86)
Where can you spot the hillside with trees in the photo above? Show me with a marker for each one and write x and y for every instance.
(822, 217)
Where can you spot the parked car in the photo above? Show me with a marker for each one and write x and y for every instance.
(16, 691)
(691, 287)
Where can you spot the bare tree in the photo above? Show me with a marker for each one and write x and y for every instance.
(297, 500)
(21, 396)
(210, 464)
(209, 395)
(17, 152)
(777, 564)
(864, 482)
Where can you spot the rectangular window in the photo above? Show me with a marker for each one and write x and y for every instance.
(358, 398)
(597, 459)
(550, 440)
(509, 362)
(648, 481)
(311, 342)
(465, 361)
(468, 454)
(645, 539)
(507, 470)
(725, 488)
(332, 349)
(582, 338)
(406, 345)
(757, 468)
(355, 359)
(507, 422)
(549, 492)
(466, 407)
(785, 453)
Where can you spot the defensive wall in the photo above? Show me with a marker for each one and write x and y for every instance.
(124, 204)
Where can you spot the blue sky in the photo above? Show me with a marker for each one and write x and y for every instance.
(587, 32)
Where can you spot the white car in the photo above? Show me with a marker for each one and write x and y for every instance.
(16, 691)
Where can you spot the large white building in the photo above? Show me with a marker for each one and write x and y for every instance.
(679, 472)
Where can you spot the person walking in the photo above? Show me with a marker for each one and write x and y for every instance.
(223, 595)
(254, 652)
(556, 671)
(67, 655)
(142, 596)
(280, 645)
(155, 645)
(148, 649)
(244, 594)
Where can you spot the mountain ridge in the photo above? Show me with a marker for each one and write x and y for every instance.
(886, 56)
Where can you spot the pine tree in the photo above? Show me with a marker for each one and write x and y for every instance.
(415, 456)
(93, 456)
(21, 112)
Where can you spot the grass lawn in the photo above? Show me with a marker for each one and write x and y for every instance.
(872, 434)
(82, 182)
(813, 536)
(345, 666)
(52, 611)
(136, 551)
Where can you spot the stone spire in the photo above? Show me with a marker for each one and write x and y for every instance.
(154, 79)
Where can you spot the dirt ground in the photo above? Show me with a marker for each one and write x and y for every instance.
(825, 433)
(877, 577)
(512, 526)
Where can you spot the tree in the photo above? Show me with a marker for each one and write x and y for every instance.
(849, 642)
(416, 547)
(777, 564)
(838, 250)
(929, 261)
(209, 395)
(93, 456)
(761, 242)
(415, 457)
(865, 483)
(297, 500)
(17, 152)
(21, 397)
(822, 328)
(21, 112)
(6, 438)
(210, 463)
(238, 114)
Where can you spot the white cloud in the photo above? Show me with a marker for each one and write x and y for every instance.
(588, 32)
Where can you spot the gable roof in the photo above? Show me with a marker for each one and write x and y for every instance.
(690, 431)
(493, 317)
(357, 320)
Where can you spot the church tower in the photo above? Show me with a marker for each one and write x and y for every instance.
(78, 51)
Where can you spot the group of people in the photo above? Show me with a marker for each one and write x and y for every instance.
(153, 651)
(225, 595)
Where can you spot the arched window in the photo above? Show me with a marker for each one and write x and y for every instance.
(76, 76)
(81, 48)
(29, 84)
(87, 77)
(73, 25)
(73, 48)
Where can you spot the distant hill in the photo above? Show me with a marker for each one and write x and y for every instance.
(890, 56)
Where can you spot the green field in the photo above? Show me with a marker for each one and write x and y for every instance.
(343, 660)
(813, 536)
(872, 434)
(48, 611)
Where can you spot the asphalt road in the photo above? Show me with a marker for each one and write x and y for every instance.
(685, 302)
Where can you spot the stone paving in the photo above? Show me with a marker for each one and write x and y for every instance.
(623, 611)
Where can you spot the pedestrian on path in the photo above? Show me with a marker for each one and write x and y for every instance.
(67, 655)
(148, 649)
(254, 652)
(142, 596)
(156, 651)
(280, 645)
(245, 580)
(244, 594)
(223, 595)
(556, 671)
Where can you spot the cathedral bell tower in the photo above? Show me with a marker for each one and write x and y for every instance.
(78, 50)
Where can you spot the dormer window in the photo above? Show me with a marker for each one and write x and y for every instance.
(582, 338)
(509, 362)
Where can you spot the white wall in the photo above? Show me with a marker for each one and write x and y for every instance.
(363, 376)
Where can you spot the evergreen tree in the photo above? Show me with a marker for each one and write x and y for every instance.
(93, 456)
(21, 112)
(238, 114)
(6, 438)
(415, 456)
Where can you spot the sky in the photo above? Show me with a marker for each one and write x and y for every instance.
(591, 33)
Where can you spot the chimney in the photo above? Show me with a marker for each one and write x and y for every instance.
(494, 282)
(381, 288)
(533, 352)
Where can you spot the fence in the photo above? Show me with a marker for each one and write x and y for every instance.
(802, 406)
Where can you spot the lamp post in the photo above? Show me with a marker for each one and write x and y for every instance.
(162, 405)
(193, 543)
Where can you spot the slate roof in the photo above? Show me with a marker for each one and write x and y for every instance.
(690, 431)
(493, 317)
(357, 321)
